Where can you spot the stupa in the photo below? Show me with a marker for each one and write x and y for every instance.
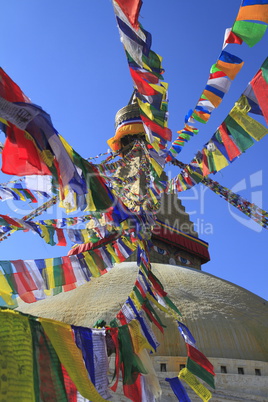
(230, 324)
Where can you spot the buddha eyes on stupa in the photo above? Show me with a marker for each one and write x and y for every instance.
(160, 250)
(184, 261)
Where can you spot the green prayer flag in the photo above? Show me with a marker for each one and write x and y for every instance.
(211, 163)
(171, 304)
(131, 362)
(154, 62)
(242, 139)
(138, 295)
(200, 372)
(186, 136)
(58, 272)
(56, 291)
(249, 32)
(213, 70)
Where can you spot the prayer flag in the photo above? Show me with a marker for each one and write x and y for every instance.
(200, 372)
(260, 88)
(253, 11)
(131, 9)
(250, 32)
(199, 358)
(178, 389)
(229, 64)
(197, 387)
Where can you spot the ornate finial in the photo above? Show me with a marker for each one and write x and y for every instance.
(128, 126)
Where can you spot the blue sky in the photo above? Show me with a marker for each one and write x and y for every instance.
(67, 57)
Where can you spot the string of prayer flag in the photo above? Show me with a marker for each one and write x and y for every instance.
(146, 71)
(250, 26)
(248, 208)
(233, 137)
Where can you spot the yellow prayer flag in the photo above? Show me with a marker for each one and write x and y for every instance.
(156, 166)
(138, 340)
(85, 235)
(50, 273)
(145, 107)
(45, 233)
(67, 147)
(251, 126)
(4, 121)
(90, 203)
(17, 371)
(129, 244)
(110, 250)
(70, 355)
(219, 160)
(196, 385)
(22, 198)
(155, 143)
(135, 300)
(181, 181)
(155, 302)
(159, 88)
(69, 206)
(5, 290)
(91, 264)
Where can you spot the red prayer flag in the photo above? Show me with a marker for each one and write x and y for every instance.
(138, 285)
(260, 88)
(205, 168)
(133, 391)
(143, 86)
(118, 252)
(156, 285)
(114, 335)
(61, 237)
(67, 288)
(217, 74)
(199, 358)
(9, 90)
(68, 272)
(131, 9)
(70, 387)
(121, 318)
(163, 132)
(24, 283)
(20, 155)
(233, 38)
(231, 148)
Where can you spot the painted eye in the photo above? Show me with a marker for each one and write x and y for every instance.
(160, 250)
(184, 261)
